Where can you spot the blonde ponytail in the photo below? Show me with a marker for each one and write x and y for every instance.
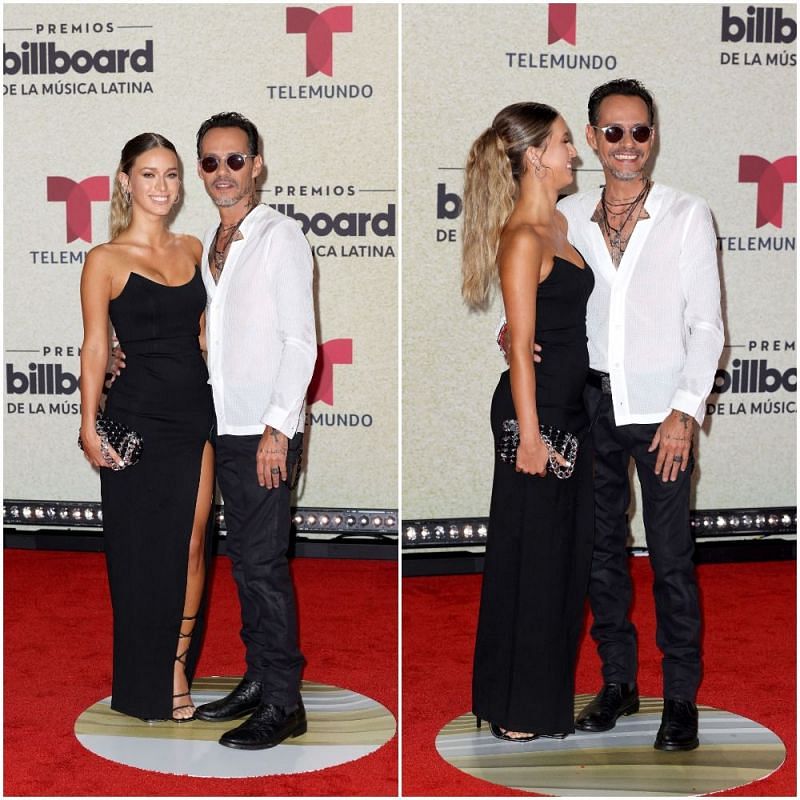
(119, 217)
(489, 194)
(495, 164)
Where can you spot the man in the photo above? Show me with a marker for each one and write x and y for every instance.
(261, 341)
(655, 336)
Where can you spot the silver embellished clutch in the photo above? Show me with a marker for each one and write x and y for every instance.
(555, 440)
(126, 442)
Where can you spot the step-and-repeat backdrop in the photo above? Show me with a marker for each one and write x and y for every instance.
(321, 84)
(724, 80)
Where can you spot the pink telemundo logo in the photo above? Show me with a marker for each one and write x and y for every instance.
(334, 351)
(319, 29)
(78, 197)
(771, 177)
(561, 22)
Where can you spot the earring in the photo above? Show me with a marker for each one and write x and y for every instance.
(539, 171)
(126, 194)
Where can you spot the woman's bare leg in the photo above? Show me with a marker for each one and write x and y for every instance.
(195, 582)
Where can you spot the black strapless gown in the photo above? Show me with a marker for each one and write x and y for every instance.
(148, 509)
(539, 543)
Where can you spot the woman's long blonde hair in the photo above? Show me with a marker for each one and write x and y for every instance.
(495, 164)
(120, 214)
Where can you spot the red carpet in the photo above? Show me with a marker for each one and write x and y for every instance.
(58, 662)
(749, 653)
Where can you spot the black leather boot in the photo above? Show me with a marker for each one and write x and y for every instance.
(613, 701)
(268, 726)
(243, 700)
(678, 729)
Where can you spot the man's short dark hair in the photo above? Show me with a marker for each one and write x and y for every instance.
(230, 119)
(626, 86)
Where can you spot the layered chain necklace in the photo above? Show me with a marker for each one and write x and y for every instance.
(222, 241)
(623, 209)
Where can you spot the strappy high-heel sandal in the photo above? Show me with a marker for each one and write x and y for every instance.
(181, 659)
(498, 733)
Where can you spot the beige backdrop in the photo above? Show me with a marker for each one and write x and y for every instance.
(717, 100)
(334, 154)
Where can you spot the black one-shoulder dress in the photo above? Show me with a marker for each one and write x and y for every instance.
(148, 508)
(539, 541)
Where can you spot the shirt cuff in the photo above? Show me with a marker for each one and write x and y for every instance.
(282, 420)
(688, 403)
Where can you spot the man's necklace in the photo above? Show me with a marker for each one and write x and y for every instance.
(225, 235)
(616, 239)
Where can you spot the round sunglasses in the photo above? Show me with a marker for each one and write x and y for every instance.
(614, 133)
(235, 161)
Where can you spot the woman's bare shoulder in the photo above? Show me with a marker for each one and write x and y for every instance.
(104, 257)
(520, 240)
(189, 244)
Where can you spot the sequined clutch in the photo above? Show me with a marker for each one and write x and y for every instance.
(555, 440)
(126, 442)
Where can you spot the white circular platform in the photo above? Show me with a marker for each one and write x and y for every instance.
(342, 726)
(733, 751)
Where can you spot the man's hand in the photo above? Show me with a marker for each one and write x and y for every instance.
(271, 458)
(117, 363)
(503, 344)
(674, 442)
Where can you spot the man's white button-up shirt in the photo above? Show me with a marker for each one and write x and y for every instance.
(260, 329)
(654, 324)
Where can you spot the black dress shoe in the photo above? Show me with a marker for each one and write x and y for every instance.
(268, 726)
(613, 701)
(678, 729)
(243, 700)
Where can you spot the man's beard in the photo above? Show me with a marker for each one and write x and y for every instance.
(625, 176)
(621, 174)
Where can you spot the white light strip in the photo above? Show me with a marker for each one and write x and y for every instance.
(704, 524)
(363, 522)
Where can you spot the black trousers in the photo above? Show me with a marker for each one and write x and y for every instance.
(665, 509)
(258, 524)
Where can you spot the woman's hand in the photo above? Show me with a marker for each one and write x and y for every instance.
(532, 458)
(93, 452)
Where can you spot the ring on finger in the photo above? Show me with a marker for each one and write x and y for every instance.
(677, 459)
(275, 471)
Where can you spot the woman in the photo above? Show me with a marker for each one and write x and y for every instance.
(540, 525)
(156, 511)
